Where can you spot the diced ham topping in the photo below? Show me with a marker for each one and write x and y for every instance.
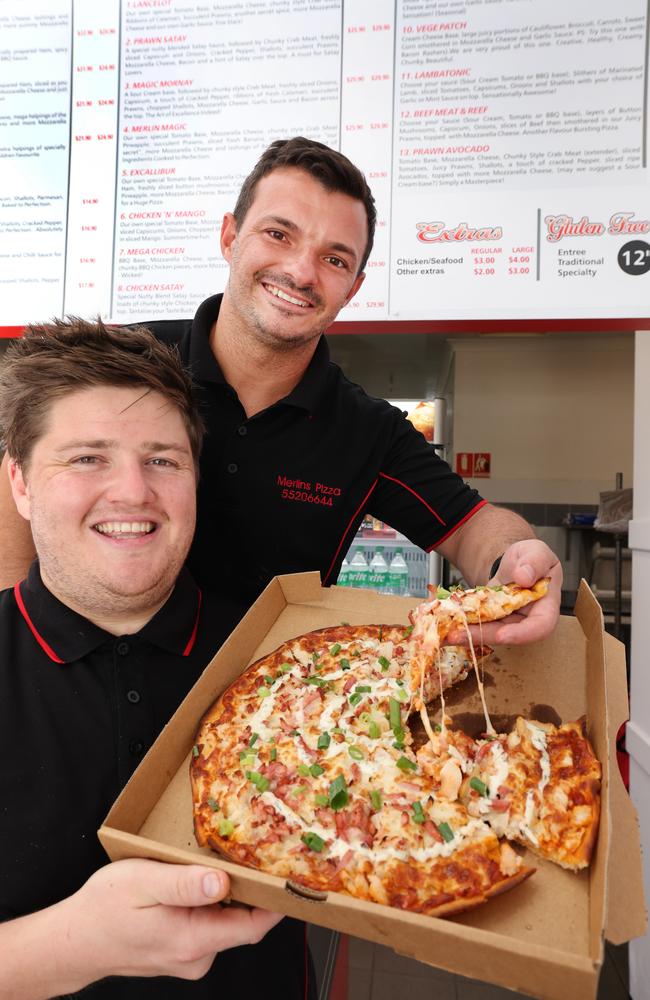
(433, 831)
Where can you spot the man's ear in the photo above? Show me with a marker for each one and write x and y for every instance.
(19, 488)
(228, 235)
(356, 285)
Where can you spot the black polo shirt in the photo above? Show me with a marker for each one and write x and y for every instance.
(78, 709)
(286, 490)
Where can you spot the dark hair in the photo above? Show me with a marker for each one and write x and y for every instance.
(54, 359)
(331, 168)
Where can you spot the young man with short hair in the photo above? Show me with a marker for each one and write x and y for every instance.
(98, 646)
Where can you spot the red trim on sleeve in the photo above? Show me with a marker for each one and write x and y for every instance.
(416, 495)
(192, 640)
(435, 545)
(344, 535)
(39, 639)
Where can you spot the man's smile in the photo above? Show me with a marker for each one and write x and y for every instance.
(281, 293)
(125, 529)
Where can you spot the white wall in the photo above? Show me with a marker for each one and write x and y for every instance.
(638, 737)
(554, 410)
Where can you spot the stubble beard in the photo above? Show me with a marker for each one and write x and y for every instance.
(270, 335)
(94, 594)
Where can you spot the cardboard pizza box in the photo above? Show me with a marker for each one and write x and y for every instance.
(545, 937)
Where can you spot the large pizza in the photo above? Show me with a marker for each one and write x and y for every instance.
(311, 766)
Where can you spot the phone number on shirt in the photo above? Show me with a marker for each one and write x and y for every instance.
(304, 497)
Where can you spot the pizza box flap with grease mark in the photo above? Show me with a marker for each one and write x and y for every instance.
(543, 938)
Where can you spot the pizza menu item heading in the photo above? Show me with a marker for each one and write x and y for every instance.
(505, 143)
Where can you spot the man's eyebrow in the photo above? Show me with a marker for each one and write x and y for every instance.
(106, 443)
(165, 446)
(278, 220)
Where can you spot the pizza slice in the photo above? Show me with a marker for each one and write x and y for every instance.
(539, 785)
(433, 621)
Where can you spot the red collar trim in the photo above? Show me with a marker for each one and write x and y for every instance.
(190, 645)
(39, 638)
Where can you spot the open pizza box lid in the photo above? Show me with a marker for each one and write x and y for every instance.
(544, 938)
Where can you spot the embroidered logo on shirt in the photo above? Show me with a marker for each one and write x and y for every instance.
(304, 491)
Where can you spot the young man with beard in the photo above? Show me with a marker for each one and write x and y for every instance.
(295, 453)
(98, 645)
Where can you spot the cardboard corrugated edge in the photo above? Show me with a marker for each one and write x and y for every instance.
(542, 971)
(626, 909)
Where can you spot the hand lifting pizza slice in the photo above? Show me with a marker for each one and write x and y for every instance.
(447, 610)
(306, 769)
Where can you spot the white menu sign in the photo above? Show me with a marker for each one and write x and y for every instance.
(505, 142)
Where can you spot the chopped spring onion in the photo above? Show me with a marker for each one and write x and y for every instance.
(338, 793)
(336, 648)
(418, 813)
(313, 841)
(363, 688)
(406, 765)
(479, 786)
(316, 770)
(226, 827)
(345, 663)
(321, 800)
(274, 753)
(214, 805)
(445, 832)
(394, 714)
(374, 732)
(286, 667)
(263, 692)
(354, 699)
(375, 799)
(355, 753)
(384, 663)
(263, 783)
(324, 741)
(253, 740)
(195, 751)
(303, 770)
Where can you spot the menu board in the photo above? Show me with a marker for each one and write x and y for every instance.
(505, 142)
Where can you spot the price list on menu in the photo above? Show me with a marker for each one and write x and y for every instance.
(505, 142)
